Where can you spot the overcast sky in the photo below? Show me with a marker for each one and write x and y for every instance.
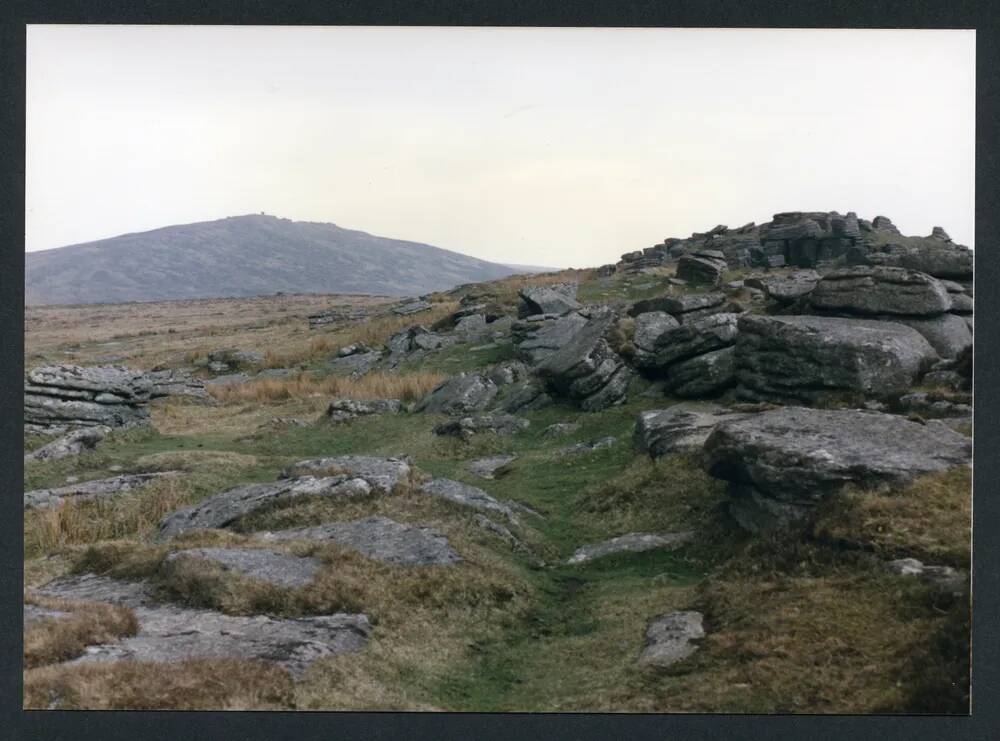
(558, 147)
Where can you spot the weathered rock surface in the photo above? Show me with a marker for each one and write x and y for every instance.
(630, 543)
(469, 496)
(499, 424)
(355, 364)
(538, 338)
(702, 268)
(671, 638)
(806, 357)
(384, 475)
(225, 360)
(95, 489)
(72, 396)
(468, 392)
(227, 507)
(490, 468)
(33, 614)
(381, 539)
(649, 326)
(336, 315)
(785, 289)
(280, 569)
(411, 307)
(72, 443)
(555, 299)
(168, 633)
(585, 368)
(560, 428)
(783, 461)
(703, 375)
(682, 428)
(942, 260)
(880, 290)
(948, 334)
(342, 410)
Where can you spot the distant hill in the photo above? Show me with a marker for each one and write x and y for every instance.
(245, 256)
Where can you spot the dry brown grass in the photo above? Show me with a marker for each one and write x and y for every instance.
(65, 638)
(930, 519)
(186, 685)
(406, 387)
(81, 523)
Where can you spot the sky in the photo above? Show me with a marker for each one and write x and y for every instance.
(557, 147)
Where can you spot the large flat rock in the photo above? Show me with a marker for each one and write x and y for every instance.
(227, 507)
(682, 428)
(805, 357)
(94, 489)
(880, 290)
(794, 456)
(468, 496)
(280, 569)
(381, 539)
(169, 633)
(629, 543)
(383, 475)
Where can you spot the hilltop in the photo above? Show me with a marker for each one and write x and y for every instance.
(243, 256)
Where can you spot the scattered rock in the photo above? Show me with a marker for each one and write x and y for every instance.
(342, 410)
(490, 468)
(336, 316)
(468, 392)
(169, 633)
(682, 428)
(355, 364)
(630, 543)
(499, 424)
(72, 443)
(485, 523)
(381, 539)
(671, 638)
(783, 461)
(468, 496)
(945, 578)
(555, 299)
(411, 307)
(95, 489)
(279, 569)
(807, 357)
(227, 507)
(384, 475)
(590, 446)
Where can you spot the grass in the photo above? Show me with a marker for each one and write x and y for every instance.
(53, 640)
(406, 387)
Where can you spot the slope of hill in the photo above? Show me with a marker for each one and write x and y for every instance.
(245, 256)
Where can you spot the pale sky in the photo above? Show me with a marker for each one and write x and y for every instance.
(561, 147)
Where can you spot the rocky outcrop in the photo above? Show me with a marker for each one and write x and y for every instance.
(280, 569)
(671, 638)
(780, 463)
(95, 489)
(880, 290)
(585, 368)
(682, 428)
(630, 543)
(558, 299)
(227, 507)
(807, 239)
(649, 326)
(72, 443)
(806, 358)
(933, 257)
(168, 633)
(696, 358)
(381, 539)
(343, 410)
(948, 334)
(704, 267)
(785, 289)
(462, 394)
(72, 396)
(227, 360)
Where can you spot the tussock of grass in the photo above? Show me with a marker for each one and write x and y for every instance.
(65, 638)
(929, 519)
(133, 514)
(408, 387)
(186, 685)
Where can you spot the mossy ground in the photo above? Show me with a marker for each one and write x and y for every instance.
(805, 623)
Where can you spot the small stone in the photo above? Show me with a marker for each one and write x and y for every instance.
(671, 638)
(630, 543)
